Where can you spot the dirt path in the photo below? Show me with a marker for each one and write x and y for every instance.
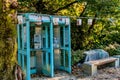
(103, 74)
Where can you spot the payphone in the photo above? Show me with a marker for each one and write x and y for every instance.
(62, 43)
(44, 44)
(35, 48)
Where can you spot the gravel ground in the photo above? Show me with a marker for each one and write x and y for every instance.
(107, 73)
(104, 74)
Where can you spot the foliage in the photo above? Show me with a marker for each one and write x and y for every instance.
(77, 56)
(102, 30)
(8, 45)
(113, 49)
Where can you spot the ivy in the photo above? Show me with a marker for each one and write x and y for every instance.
(7, 40)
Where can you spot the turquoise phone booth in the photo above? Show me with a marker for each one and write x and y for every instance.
(44, 44)
(35, 44)
(62, 43)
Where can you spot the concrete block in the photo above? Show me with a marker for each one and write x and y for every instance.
(117, 56)
(117, 63)
(89, 68)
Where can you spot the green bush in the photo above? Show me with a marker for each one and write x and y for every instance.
(113, 49)
(77, 56)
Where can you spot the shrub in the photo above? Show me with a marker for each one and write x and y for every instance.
(77, 56)
(113, 49)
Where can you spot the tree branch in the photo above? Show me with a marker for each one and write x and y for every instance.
(40, 6)
(89, 30)
(93, 23)
(83, 11)
(64, 7)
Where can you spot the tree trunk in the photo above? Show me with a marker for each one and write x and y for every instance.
(8, 45)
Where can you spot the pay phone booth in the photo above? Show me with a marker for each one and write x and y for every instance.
(35, 44)
(62, 43)
(43, 44)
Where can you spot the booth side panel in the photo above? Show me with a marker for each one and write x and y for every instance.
(51, 48)
(18, 40)
(28, 50)
(69, 49)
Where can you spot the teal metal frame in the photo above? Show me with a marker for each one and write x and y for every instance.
(24, 52)
(63, 23)
(46, 22)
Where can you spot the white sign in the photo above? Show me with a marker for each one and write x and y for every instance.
(20, 19)
(79, 22)
(90, 21)
(55, 21)
(67, 21)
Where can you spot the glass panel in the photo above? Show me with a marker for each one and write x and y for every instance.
(61, 37)
(25, 37)
(49, 58)
(66, 58)
(33, 60)
(62, 57)
(44, 58)
(20, 59)
(66, 36)
(25, 64)
(32, 32)
(44, 42)
(48, 37)
(37, 38)
(56, 37)
(20, 28)
(43, 37)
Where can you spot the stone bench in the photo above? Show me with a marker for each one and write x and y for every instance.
(90, 67)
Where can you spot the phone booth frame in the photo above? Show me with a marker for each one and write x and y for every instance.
(53, 43)
(26, 19)
(64, 43)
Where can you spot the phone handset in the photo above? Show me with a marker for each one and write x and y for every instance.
(37, 41)
(55, 42)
